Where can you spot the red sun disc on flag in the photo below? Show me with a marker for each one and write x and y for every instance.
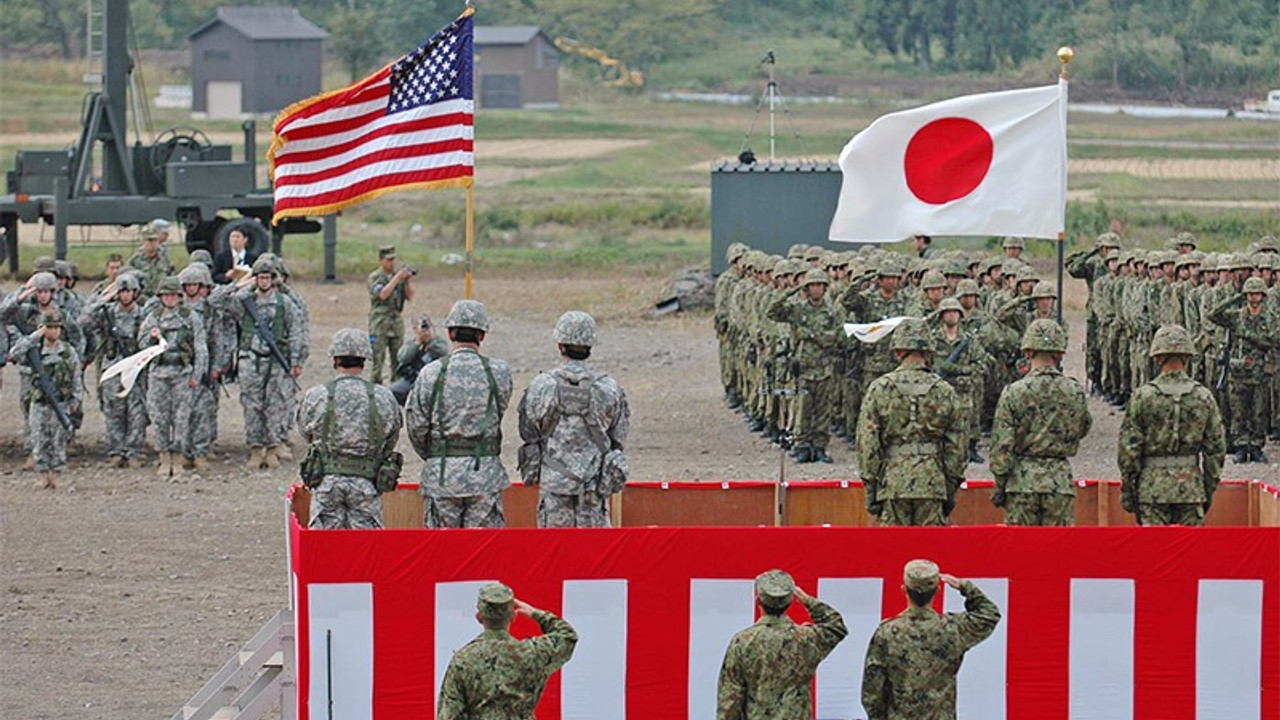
(947, 159)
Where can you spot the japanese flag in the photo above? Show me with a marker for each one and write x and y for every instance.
(990, 164)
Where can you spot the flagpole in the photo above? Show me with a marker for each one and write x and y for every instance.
(1065, 55)
(471, 238)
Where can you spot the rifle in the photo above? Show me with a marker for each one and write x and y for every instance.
(1223, 360)
(36, 362)
(268, 336)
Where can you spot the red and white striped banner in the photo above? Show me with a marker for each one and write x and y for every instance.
(1106, 623)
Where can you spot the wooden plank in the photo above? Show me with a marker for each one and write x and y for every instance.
(300, 503)
(743, 506)
(973, 507)
(402, 508)
(520, 506)
(1230, 506)
(843, 506)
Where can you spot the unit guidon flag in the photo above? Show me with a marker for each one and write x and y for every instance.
(409, 125)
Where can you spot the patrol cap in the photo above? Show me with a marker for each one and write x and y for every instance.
(1044, 289)
(576, 328)
(468, 314)
(933, 279)
(950, 303)
(1044, 335)
(44, 280)
(1255, 285)
(44, 263)
(1172, 340)
(351, 342)
(911, 335)
(920, 576)
(814, 276)
(387, 251)
(966, 287)
(775, 588)
(495, 601)
(53, 318)
(1014, 242)
(169, 285)
(160, 225)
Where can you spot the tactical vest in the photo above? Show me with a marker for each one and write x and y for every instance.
(335, 463)
(249, 331)
(118, 343)
(575, 400)
(62, 373)
(182, 347)
(477, 447)
(914, 391)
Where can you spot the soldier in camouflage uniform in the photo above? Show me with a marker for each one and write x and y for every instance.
(287, 419)
(172, 375)
(815, 333)
(933, 287)
(61, 365)
(725, 332)
(26, 310)
(1039, 423)
(202, 427)
(912, 660)
(152, 261)
(496, 676)
(911, 437)
(454, 417)
(1090, 266)
(881, 302)
(1255, 334)
(389, 290)
(1171, 445)
(768, 668)
(962, 361)
(426, 348)
(112, 319)
(353, 425)
(266, 388)
(573, 424)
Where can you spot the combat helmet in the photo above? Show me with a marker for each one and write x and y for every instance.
(1184, 238)
(1044, 335)
(128, 281)
(1268, 244)
(932, 279)
(575, 328)
(191, 275)
(53, 318)
(44, 263)
(468, 314)
(1044, 289)
(264, 264)
(950, 303)
(44, 280)
(815, 277)
(1254, 285)
(351, 342)
(1172, 340)
(1109, 240)
(169, 285)
(966, 286)
(1014, 242)
(912, 335)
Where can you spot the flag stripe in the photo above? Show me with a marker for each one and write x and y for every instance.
(1102, 612)
(425, 129)
(341, 639)
(423, 169)
(718, 609)
(1164, 668)
(593, 684)
(321, 173)
(839, 681)
(1229, 649)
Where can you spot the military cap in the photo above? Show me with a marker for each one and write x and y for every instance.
(160, 225)
(202, 256)
(576, 328)
(73, 270)
(775, 588)
(797, 251)
(53, 318)
(1014, 242)
(169, 285)
(1210, 263)
(911, 335)
(1185, 238)
(264, 265)
(1254, 285)
(1109, 240)
(816, 277)
(44, 280)
(150, 235)
(44, 263)
(190, 275)
(1172, 340)
(950, 303)
(468, 314)
(61, 268)
(351, 342)
(966, 286)
(386, 251)
(920, 576)
(1044, 335)
(495, 601)
(1268, 244)
(933, 279)
(128, 281)
(1044, 289)
(891, 265)
(735, 251)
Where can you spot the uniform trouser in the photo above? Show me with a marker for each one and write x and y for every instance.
(478, 511)
(727, 368)
(126, 419)
(1275, 405)
(1093, 351)
(1123, 370)
(48, 437)
(202, 428)
(1039, 509)
(386, 343)
(343, 501)
(169, 406)
(851, 401)
(813, 412)
(588, 509)
(264, 393)
(1171, 514)
(1139, 361)
(1249, 398)
(25, 384)
(918, 512)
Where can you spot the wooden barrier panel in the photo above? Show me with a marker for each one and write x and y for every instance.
(1231, 505)
(1268, 505)
(973, 504)
(698, 504)
(839, 503)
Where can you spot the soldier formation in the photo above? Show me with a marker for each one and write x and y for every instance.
(980, 354)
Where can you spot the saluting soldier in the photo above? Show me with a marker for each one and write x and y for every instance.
(815, 331)
(1255, 332)
(112, 320)
(173, 375)
(389, 290)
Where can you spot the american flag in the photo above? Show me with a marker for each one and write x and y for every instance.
(409, 125)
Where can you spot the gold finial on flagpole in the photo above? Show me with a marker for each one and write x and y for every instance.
(1065, 56)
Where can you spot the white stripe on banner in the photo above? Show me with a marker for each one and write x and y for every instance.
(717, 610)
(840, 675)
(593, 685)
(1101, 654)
(981, 682)
(455, 622)
(341, 636)
(1229, 650)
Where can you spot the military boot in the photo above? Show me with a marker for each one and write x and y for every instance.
(1259, 456)
(1242, 456)
(46, 480)
(199, 464)
(974, 457)
(803, 455)
(284, 453)
(820, 455)
(30, 464)
(271, 458)
(164, 466)
(255, 459)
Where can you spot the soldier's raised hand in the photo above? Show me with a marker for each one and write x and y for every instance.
(950, 580)
(524, 608)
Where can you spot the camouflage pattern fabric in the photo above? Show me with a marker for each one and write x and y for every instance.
(1039, 423)
(1189, 514)
(476, 511)
(816, 335)
(966, 375)
(768, 668)
(1171, 446)
(570, 418)
(912, 438)
(114, 330)
(48, 439)
(169, 375)
(345, 501)
(497, 677)
(1250, 369)
(908, 512)
(468, 418)
(153, 269)
(912, 660)
(386, 326)
(1040, 508)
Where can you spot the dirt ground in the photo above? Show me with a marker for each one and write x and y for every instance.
(122, 593)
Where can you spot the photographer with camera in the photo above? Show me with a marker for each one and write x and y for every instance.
(389, 290)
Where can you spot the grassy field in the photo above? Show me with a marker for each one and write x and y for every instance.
(644, 204)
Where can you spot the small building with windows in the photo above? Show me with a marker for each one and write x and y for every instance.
(516, 66)
(249, 60)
